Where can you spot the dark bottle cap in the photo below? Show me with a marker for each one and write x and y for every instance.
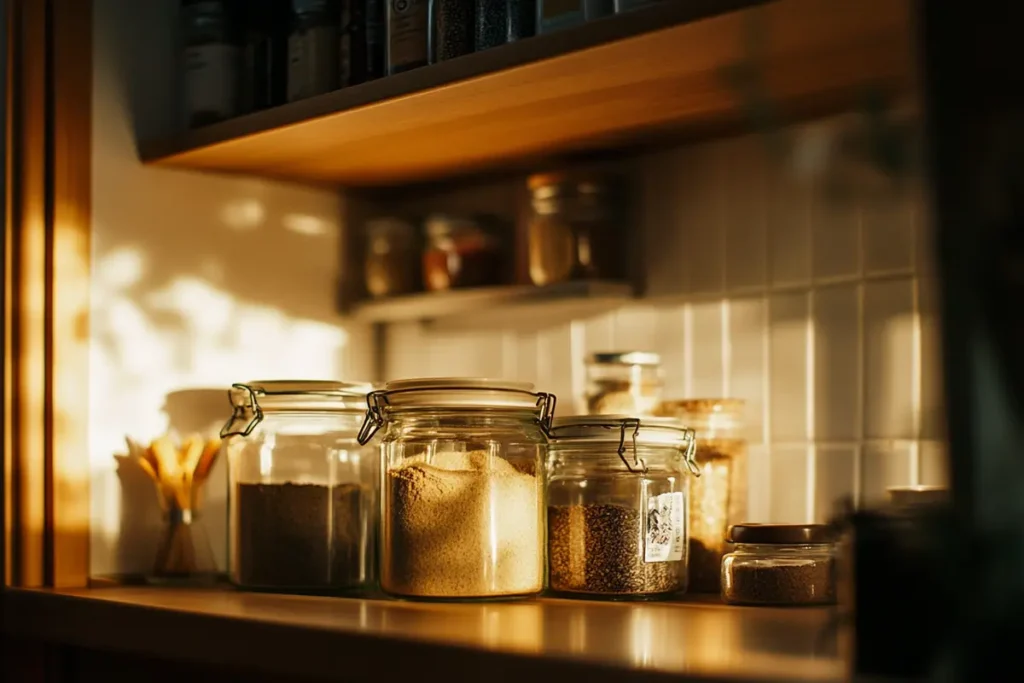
(782, 534)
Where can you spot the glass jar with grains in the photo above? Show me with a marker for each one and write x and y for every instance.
(623, 383)
(780, 564)
(392, 257)
(617, 508)
(719, 498)
(303, 491)
(463, 504)
(571, 232)
(461, 252)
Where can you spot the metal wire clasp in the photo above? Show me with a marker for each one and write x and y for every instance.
(637, 460)
(691, 452)
(374, 419)
(546, 402)
(240, 412)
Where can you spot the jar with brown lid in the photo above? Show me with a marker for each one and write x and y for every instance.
(718, 498)
(570, 234)
(780, 564)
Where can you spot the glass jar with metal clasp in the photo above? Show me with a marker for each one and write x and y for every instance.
(463, 495)
(617, 506)
(302, 489)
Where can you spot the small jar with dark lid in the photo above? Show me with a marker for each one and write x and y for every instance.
(780, 565)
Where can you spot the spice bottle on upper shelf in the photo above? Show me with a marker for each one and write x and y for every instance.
(210, 61)
(361, 43)
(392, 257)
(617, 508)
(302, 489)
(408, 32)
(623, 383)
(264, 82)
(313, 48)
(554, 15)
(718, 499)
(451, 29)
(503, 21)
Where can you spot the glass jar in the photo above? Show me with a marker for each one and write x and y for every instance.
(460, 253)
(302, 488)
(780, 564)
(463, 504)
(503, 21)
(392, 257)
(719, 498)
(617, 509)
(623, 383)
(570, 234)
(314, 48)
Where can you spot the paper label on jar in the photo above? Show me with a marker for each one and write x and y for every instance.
(663, 528)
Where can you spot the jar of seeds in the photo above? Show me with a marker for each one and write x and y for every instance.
(616, 491)
(780, 564)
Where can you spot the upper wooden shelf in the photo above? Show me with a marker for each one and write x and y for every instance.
(309, 638)
(602, 84)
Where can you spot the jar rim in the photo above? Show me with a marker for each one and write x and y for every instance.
(595, 429)
(459, 392)
(781, 534)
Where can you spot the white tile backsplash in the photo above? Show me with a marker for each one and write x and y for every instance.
(763, 287)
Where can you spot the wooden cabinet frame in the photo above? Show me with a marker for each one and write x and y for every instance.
(47, 153)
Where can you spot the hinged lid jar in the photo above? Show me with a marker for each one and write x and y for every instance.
(303, 490)
(617, 506)
(462, 516)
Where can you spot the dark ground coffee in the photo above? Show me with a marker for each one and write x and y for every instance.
(299, 536)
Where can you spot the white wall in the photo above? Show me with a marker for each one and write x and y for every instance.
(197, 281)
(818, 309)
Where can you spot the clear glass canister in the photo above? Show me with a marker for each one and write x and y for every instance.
(719, 498)
(302, 489)
(780, 564)
(463, 504)
(461, 252)
(623, 383)
(617, 509)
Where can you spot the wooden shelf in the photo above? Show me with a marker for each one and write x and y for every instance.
(385, 640)
(510, 306)
(599, 85)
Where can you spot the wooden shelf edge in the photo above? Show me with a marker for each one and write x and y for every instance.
(492, 305)
(425, 79)
(352, 639)
(559, 94)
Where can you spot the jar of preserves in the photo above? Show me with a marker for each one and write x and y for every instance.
(623, 383)
(780, 564)
(303, 491)
(392, 257)
(617, 489)
(571, 232)
(459, 253)
(719, 498)
(463, 496)
(503, 21)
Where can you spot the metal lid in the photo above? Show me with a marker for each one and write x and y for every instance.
(250, 400)
(454, 393)
(782, 534)
(624, 358)
(617, 430)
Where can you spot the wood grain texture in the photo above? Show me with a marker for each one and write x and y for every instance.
(438, 120)
(380, 640)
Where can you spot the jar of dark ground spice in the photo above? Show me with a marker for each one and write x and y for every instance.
(617, 506)
(780, 564)
(302, 489)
